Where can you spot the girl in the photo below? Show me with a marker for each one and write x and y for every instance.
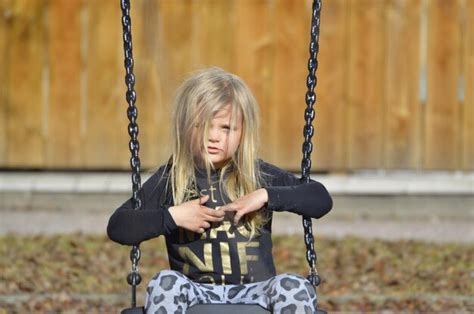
(213, 201)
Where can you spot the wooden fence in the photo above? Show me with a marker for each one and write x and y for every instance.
(395, 89)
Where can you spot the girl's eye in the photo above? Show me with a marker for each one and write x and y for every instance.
(226, 128)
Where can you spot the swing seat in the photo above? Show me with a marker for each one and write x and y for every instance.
(134, 310)
(227, 309)
(233, 309)
(216, 309)
(212, 309)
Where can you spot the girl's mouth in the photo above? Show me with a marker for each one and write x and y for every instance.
(212, 150)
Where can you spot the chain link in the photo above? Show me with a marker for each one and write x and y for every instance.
(308, 132)
(133, 277)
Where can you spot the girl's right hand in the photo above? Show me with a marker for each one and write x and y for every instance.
(192, 215)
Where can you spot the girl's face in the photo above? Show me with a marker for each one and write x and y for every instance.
(223, 138)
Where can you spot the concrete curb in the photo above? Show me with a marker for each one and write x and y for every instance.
(363, 183)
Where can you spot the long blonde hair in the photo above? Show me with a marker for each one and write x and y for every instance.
(196, 102)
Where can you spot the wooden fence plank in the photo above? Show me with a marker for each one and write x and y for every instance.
(403, 145)
(27, 100)
(366, 83)
(213, 31)
(174, 62)
(330, 141)
(255, 44)
(5, 37)
(289, 81)
(63, 145)
(442, 128)
(106, 138)
(175, 43)
(145, 18)
(468, 67)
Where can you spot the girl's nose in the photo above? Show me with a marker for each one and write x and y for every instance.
(213, 135)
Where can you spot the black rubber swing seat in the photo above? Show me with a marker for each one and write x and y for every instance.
(216, 309)
(212, 309)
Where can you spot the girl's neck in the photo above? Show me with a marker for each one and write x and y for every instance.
(214, 172)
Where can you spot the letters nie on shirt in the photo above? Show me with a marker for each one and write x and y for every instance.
(207, 264)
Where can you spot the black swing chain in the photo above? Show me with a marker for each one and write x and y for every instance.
(308, 132)
(133, 277)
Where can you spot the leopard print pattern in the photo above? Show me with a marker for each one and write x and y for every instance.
(172, 292)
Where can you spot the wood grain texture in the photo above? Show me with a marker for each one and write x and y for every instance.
(467, 67)
(289, 85)
(402, 84)
(213, 32)
(106, 139)
(367, 71)
(27, 101)
(442, 126)
(330, 140)
(145, 17)
(5, 37)
(255, 51)
(174, 62)
(63, 144)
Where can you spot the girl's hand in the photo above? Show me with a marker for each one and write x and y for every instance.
(192, 215)
(247, 204)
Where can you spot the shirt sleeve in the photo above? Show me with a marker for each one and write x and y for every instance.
(287, 193)
(131, 227)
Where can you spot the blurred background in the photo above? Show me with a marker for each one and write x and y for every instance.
(393, 143)
(395, 87)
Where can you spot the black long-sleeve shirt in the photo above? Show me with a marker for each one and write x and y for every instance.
(223, 254)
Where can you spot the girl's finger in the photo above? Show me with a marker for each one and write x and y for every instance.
(237, 217)
(203, 199)
(200, 230)
(213, 212)
(214, 218)
(205, 225)
(229, 208)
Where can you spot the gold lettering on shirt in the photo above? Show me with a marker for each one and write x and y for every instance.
(212, 189)
(225, 256)
(191, 259)
(206, 279)
(243, 230)
(224, 227)
(244, 258)
(192, 194)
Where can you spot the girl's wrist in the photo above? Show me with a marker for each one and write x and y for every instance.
(264, 195)
(172, 211)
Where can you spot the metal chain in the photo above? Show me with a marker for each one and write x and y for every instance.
(308, 132)
(133, 277)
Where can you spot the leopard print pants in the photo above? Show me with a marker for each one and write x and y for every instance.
(172, 292)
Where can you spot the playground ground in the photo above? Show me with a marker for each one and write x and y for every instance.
(385, 251)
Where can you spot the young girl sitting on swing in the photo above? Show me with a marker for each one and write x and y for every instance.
(213, 201)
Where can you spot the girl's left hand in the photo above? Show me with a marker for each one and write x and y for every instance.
(247, 204)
